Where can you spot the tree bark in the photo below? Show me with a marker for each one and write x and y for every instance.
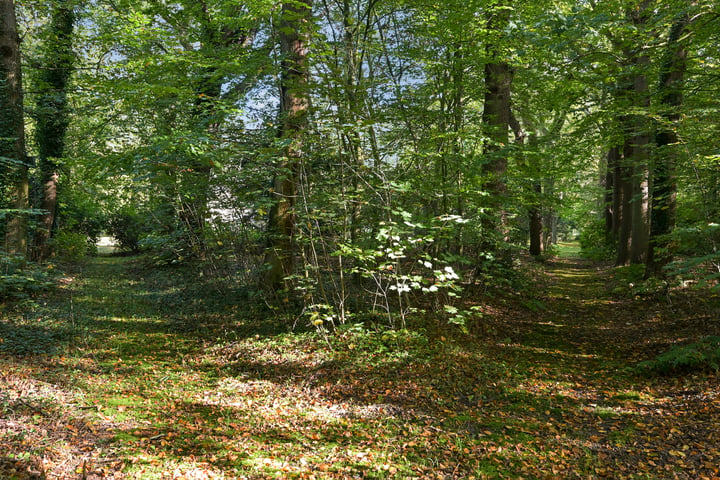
(294, 105)
(12, 128)
(496, 119)
(612, 197)
(52, 116)
(192, 208)
(633, 186)
(624, 187)
(640, 180)
(664, 192)
(496, 125)
(536, 222)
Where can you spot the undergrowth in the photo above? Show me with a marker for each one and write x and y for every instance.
(700, 356)
(21, 281)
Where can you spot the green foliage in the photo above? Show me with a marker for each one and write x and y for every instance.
(165, 248)
(400, 262)
(701, 256)
(70, 246)
(127, 226)
(625, 280)
(26, 339)
(703, 355)
(78, 212)
(21, 281)
(697, 240)
(368, 340)
(595, 243)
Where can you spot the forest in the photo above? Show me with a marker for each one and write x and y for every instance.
(359, 239)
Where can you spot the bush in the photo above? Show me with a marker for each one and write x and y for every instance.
(128, 227)
(71, 246)
(82, 215)
(21, 280)
(165, 249)
(703, 355)
(595, 243)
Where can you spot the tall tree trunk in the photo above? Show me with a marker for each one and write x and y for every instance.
(350, 112)
(640, 180)
(612, 197)
(12, 128)
(294, 36)
(549, 216)
(534, 192)
(52, 114)
(634, 232)
(664, 192)
(496, 120)
(196, 184)
(496, 125)
(536, 221)
(624, 186)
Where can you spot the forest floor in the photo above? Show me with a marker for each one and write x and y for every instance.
(134, 373)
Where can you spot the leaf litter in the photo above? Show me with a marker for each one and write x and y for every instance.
(537, 389)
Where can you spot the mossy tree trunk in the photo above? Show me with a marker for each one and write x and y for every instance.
(12, 129)
(496, 124)
(294, 33)
(52, 114)
(664, 193)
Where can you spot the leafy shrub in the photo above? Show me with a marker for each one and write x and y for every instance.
(359, 342)
(21, 280)
(696, 240)
(703, 355)
(627, 280)
(399, 262)
(595, 243)
(72, 246)
(165, 249)
(128, 228)
(81, 214)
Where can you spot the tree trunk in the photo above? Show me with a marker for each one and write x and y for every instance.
(12, 128)
(664, 193)
(192, 207)
(535, 217)
(633, 186)
(536, 223)
(549, 216)
(612, 198)
(624, 186)
(294, 104)
(52, 115)
(640, 180)
(496, 120)
(496, 124)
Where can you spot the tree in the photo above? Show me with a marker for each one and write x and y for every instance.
(496, 121)
(294, 36)
(52, 115)
(633, 181)
(664, 190)
(12, 128)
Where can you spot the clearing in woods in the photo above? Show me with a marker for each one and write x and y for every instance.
(128, 372)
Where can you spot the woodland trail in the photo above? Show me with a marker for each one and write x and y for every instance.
(153, 375)
(606, 313)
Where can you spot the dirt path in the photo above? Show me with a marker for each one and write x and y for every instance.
(608, 314)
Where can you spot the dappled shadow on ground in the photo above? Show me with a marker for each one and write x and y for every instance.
(43, 432)
(538, 389)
